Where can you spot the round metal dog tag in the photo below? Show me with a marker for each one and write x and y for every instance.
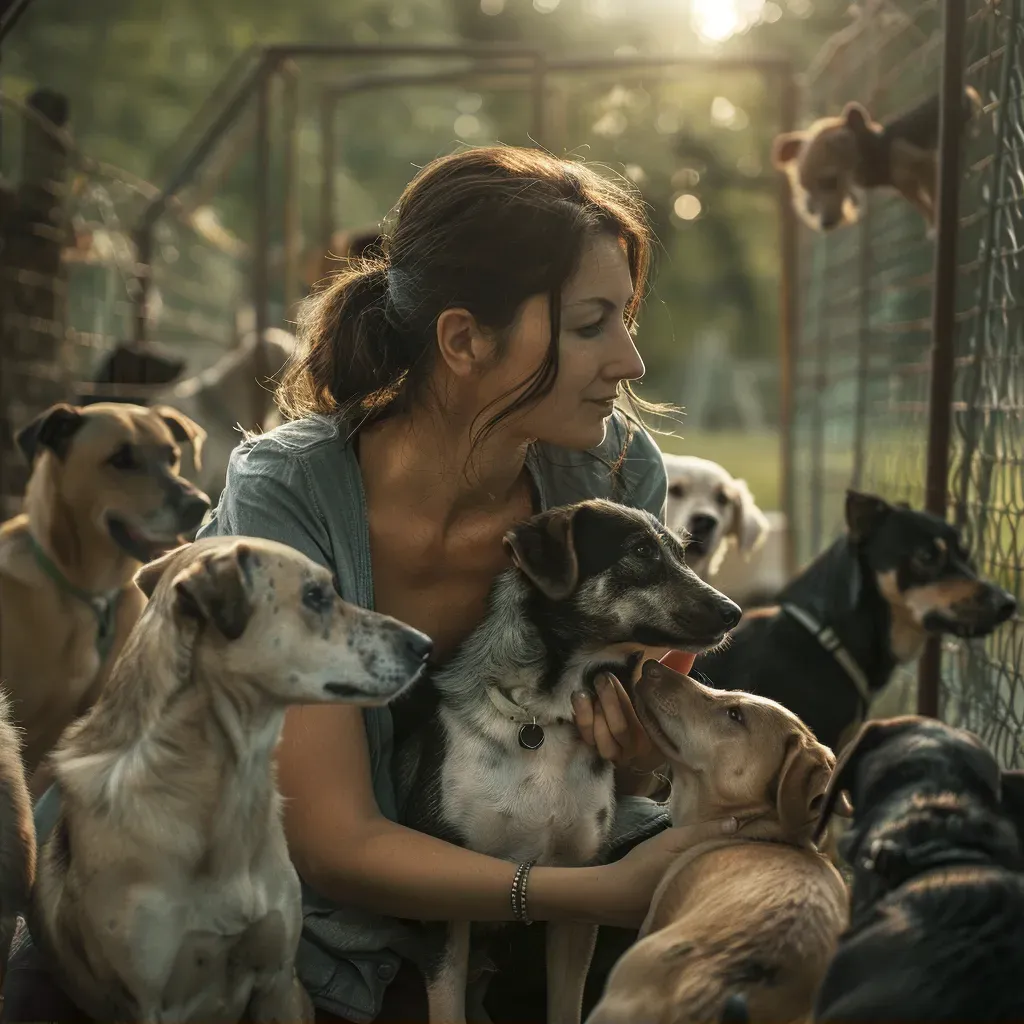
(531, 737)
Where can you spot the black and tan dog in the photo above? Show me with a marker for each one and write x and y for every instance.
(937, 909)
(863, 607)
(104, 497)
(837, 158)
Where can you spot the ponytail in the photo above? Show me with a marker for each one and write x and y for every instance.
(355, 354)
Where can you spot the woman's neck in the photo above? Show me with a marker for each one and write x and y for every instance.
(428, 462)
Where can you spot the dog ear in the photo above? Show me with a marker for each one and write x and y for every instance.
(52, 429)
(864, 514)
(218, 589)
(749, 524)
(184, 430)
(857, 119)
(871, 736)
(803, 782)
(544, 550)
(786, 148)
(147, 578)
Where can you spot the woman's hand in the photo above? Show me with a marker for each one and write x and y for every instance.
(627, 886)
(610, 725)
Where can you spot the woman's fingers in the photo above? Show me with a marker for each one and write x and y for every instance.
(614, 704)
(583, 706)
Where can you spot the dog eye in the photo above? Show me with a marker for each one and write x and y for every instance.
(735, 714)
(316, 598)
(829, 182)
(722, 499)
(123, 458)
(926, 555)
(646, 549)
(677, 490)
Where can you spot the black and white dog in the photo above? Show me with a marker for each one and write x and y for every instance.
(500, 767)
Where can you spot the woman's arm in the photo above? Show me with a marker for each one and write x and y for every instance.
(345, 849)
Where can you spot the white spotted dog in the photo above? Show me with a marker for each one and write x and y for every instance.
(712, 508)
(499, 767)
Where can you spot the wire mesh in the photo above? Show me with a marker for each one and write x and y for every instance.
(862, 370)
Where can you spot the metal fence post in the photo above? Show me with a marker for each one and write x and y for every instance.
(940, 394)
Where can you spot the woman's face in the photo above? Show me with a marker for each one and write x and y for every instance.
(595, 352)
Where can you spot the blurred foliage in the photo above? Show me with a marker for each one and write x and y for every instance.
(695, 142)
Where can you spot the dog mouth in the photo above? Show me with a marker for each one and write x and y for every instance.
(649, 720)
(934, 622)
(652, 636)
(135, 542)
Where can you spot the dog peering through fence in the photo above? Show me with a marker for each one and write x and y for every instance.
(868, 383)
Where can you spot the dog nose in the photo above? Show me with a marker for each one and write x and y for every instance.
(731, 613)
(192, 510)
(1003, 604)
(702, 526)
(418, 645)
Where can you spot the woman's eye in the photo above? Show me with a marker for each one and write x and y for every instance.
(735, 714)
(591, 330)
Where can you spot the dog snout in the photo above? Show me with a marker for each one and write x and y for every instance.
(191, 509)
(730, 612)
(1003, 605)
(418, 646)
(702, 526)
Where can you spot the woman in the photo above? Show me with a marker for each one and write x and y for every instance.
(463, 383)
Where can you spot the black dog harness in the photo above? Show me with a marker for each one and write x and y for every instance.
(827, 638)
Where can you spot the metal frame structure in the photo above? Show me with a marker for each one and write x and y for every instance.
(252, 75)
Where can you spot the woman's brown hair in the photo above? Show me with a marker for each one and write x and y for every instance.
(483, 230)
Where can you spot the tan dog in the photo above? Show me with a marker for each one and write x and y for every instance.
(104, 497)
(831, 163)
(165, 891)
(17, 833)
(713, 508)
(755, 915)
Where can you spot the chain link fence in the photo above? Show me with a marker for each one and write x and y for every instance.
(863, 362)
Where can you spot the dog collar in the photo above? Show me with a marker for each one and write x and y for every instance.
(826, 636)
(531, 734)
(102, 605)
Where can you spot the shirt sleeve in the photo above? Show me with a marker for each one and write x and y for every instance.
(268, 494)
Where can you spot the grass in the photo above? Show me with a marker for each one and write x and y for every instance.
(755, 458)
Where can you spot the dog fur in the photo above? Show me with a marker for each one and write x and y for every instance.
(896, 577)
(831, 164)
(17, 833)
(937, 909)
(592, 586)
(755, 915)
(713, 509)
(165, 891)
(104, 497)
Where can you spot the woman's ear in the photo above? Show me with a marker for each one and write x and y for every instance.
(463, 346)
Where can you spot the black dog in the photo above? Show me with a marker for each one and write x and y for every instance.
(134, 363)
(862, 608)
(937, 911)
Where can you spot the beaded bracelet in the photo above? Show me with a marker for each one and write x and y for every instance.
(518, 894)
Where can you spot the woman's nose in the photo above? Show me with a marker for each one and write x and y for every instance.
(625, 362)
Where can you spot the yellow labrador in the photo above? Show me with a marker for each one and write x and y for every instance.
(104, 496)
(165, 891)
(752, 917)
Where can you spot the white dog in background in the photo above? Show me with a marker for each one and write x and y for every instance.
(712, 507)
